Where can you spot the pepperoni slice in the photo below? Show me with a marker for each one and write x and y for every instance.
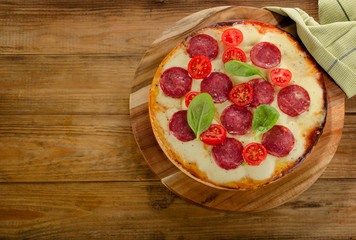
(179, 127)
(218, 85)
(236, 120)
(278, 141)
(265, 55)
(228, 155)
(203, 44)
(263, 92)
(293, 100)
(175, 82)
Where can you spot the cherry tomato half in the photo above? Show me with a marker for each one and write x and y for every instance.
(254, 153)
(199, 67)
(190, 97)
(234, 53)
(215, 135)
(280, 76)
(232, 37)
(242, 94)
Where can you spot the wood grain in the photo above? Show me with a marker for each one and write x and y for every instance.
(70, 85)
(343, 164)
(42, 27)
(50, 148)
(147, 210)
(52, 84)
(186, 185)
(66, 69)
(351, 105)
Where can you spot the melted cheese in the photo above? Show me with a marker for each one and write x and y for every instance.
(304, 74)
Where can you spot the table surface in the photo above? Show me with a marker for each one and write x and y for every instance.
(69, 165)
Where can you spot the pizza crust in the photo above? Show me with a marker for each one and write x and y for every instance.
(202, 169)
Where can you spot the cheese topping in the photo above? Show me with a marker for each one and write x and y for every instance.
(303, 74)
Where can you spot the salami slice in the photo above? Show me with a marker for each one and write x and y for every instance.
(218, 85)
(293, 100)
(278, 141)
(265, 55)
(203, 44)
(179, 127)
(263, 92)
(175, 82)
(236, 120)
(228, 155)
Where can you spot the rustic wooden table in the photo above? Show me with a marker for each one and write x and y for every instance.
(69, 165)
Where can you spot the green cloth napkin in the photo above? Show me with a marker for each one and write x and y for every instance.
(332, 43)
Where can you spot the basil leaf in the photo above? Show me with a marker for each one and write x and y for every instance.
(264, 118)
(200, 114)
(242, 69)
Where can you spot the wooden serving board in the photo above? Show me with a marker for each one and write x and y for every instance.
(267, 197)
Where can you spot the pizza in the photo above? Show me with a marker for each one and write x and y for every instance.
(253, 92)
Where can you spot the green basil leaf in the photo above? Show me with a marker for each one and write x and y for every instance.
(264, 118)
(200, 114)
(242, 69)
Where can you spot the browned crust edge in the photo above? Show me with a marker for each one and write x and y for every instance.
(246, 183)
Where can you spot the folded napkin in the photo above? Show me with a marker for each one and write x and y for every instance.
(332, 43)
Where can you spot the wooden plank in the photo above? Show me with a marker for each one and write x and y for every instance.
(67, 27)
(147, 210)
(350, 105)
(55, 84)
(70, 84)
(69, 148)
(42, 148)
(343, 164)
(88, 145)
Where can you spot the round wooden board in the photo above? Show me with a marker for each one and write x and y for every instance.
(264, 198)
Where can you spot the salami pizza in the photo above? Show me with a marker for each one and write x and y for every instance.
(238, 104)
